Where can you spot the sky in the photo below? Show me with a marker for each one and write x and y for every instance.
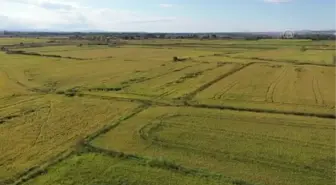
(168, 15)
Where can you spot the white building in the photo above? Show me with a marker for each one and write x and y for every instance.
(288, 35)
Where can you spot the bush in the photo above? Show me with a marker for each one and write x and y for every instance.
(303, 49)
(80, 145)
(161, 163)
(176, 59)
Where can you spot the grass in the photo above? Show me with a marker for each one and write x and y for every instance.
(231, 112)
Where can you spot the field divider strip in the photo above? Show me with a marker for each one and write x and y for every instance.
(38, 170)
(189, 96)
(160, 163)
(295, 62)
(42, 168)
(248, 135)
(107, 128)
(153, 127)
(207, 106)
(256, 110)
(21, 52)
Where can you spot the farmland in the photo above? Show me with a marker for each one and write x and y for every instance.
(9, 41)
(45, 125)
(229, 112)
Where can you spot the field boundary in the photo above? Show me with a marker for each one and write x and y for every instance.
(37, 170)
(160, 163)
(142, 103)
(21, 52)
(107, 128)
(41, 168)
(191, 95)
(295, 62)
(146, 136)
(256, 110)
(187, 103)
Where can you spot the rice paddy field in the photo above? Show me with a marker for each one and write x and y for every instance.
(17, 40)
(217, 112)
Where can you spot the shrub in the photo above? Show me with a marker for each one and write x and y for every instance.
(240, 182)
(298, 69)
(161, 163)
(60, 92)
(176, 59)
(80, 145)
(220, 64)
(303, 49)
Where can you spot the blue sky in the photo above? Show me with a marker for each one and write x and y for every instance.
(168, 15)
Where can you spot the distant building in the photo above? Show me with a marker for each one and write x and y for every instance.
(288, 35)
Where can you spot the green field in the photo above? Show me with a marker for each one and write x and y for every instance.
(15, 40)
(230, 112)
(277, 148)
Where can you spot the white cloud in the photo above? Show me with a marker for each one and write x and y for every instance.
(73, 15)
(165, 5)
(69, 16)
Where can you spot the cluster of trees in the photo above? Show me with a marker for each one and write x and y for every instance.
(107, 37)
(316, 37)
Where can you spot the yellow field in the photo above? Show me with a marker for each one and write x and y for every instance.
(125, 53)
(232, 112)
(291, 55)
(43, 126)
(179, 83)
(105, 169)
(235, 144)
(291, 87)
(9, 41)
